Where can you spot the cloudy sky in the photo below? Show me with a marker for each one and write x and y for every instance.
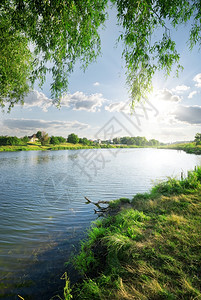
(97, 105)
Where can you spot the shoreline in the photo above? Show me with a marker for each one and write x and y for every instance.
(144, 248)
(189, 148)
(35, 147)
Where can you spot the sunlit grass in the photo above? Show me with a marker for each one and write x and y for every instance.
(63, 146)
(149, 250)
(37, 146)
(187, 147)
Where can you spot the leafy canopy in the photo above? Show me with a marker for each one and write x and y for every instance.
(73, 138)
(198, 139)
(62, 32)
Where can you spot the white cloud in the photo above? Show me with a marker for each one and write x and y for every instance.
(197, 79)
(35, 124)
(37, 99)
(117, 106)
(190, 96)
(188, 114)
(181, 88)
(76, 101)
(96, 83)
(80, 101)
(167, 95)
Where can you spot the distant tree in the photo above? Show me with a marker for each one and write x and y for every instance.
(198, 139)
(116, 141)
(10, 140)
(73, 138)
(140, 141)
(153, 142)
(2, 140)
(124, 140)
(54, 140)
(61, 139)
(44, 138)
(131, 141)
(25, 139)
(84, 141)
(39, 135)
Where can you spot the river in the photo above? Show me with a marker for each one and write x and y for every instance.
(43, 215)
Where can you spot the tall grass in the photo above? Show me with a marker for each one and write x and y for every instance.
(148, 251)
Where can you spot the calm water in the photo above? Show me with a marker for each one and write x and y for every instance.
(43, 214)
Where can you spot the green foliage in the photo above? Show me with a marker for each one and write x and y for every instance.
(64, 32)
(174, 186)
(25, 139)
(54, 140)
(61, 139)
(118, 202)
(39, 135)
(10, 140)
(73, 138)
(138, 141)
(15, 63)
(150, 251)
(153, 142)
(198, 139)
(187, 147)
(67, 289)
(45, 139)
(140, 21)
(85, 141)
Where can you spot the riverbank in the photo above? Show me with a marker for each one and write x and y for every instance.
(64, 146)
(188, 148)
(39, 147)
(191, 148)
(145, 248)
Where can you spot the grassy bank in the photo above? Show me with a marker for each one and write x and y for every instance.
(189, 147)
(64, 146)
(146, 248)
(38, 146)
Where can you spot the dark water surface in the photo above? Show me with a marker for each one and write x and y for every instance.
(43, 214)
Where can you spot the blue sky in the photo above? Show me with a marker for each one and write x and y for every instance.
(97, 105)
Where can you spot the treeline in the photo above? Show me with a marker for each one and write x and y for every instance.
(138, 141)
(12, 140)
(74, 139)
(43, 138)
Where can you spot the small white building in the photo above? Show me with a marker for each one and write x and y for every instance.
(98, 141)
(33, 138)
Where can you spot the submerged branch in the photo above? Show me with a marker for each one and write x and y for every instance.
(97, 204)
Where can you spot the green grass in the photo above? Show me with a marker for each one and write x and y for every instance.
(149, 249)
(37, 147)
(187, 147)
(64, 146)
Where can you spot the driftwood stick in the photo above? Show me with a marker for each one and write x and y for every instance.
(103, 202)
(89, 201)
(100, 201)
(97, 204)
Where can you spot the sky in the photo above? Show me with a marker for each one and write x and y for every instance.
(97, 104)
